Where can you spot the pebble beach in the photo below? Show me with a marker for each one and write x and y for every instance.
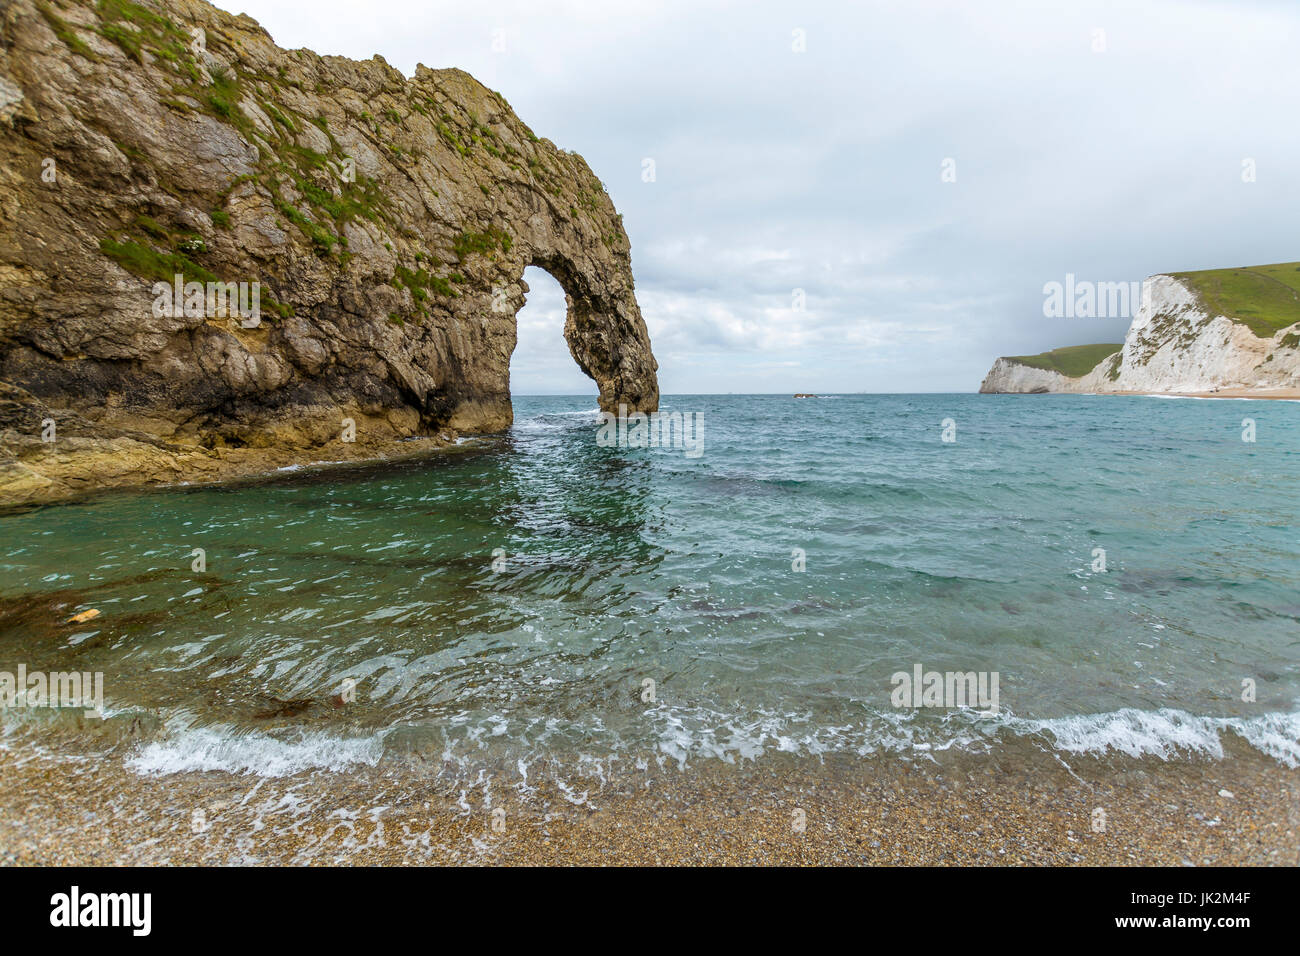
(1243, 810)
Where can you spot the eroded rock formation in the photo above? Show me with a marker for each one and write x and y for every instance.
(386, 221)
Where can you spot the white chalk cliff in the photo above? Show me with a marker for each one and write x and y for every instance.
(1175, 344)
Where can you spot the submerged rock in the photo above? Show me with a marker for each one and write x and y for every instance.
(380, 227)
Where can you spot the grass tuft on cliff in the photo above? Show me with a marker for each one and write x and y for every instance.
(1073, 361)
(481, 243)
(1265, 299)
(150, 264)
(63, 30)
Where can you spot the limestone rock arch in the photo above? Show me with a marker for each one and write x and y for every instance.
(388, 221)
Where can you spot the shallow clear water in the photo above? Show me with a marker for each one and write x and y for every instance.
(622, 565)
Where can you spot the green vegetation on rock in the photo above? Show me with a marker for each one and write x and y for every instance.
(1265, 299)
(1073, 361)
(64, 32)
(148, 263)
(483, 243)
(137, 29)
(191, 148)
(421, 283)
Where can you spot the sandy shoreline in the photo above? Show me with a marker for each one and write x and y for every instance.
(854, 811)
(1279, 394)
(1273, 394)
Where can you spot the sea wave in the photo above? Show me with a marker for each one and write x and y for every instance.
(684, 735)
(1166, 733)
(214, 748)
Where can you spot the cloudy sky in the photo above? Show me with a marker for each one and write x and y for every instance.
(1104, 139)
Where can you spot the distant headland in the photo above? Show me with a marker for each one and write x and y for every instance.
(1220, 332)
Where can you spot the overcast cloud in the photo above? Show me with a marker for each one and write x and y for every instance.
(821, 170)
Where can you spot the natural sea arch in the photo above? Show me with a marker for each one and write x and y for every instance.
(542, 363)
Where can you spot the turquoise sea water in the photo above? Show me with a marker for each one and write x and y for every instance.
(353, 616)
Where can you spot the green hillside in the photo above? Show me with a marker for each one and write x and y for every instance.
(1265, 299)
(1071, 361)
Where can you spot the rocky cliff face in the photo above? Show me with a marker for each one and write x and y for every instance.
(1010, 376)
(1176, 344)
(384, 223)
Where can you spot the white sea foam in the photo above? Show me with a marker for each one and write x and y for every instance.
(694, 733)
(683, 735)
(688, 733)
(1134, 732)
(532, 426)
(546, 422)
(1218, 398)
(214, 748)
(1167, 733)
(1276, 734)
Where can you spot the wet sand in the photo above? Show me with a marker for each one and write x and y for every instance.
(983, 810)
